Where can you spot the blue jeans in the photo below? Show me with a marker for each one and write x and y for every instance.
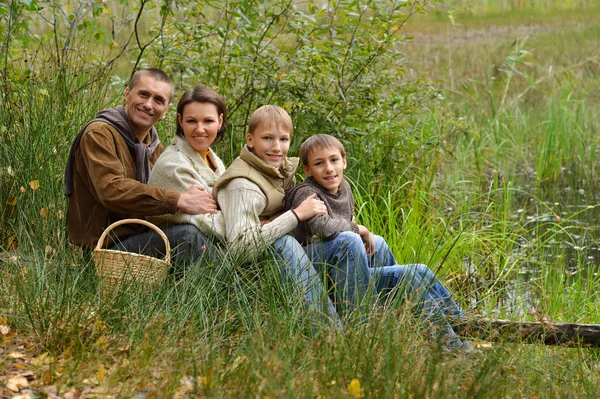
(299, 270)
(419, 284)
(345, 262)
(188, 245)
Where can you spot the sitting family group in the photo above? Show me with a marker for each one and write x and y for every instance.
(118, 169)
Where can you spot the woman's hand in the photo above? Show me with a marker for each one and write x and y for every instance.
(310, 207)
(367, 239)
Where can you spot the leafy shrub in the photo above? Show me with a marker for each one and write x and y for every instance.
(336, 67)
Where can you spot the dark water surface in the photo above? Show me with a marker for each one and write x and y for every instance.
(559, 231)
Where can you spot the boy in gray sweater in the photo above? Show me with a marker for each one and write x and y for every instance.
(324, 160)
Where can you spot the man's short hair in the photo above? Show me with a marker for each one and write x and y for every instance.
(157, 74)
(270, 114)
(319, 141)
(203, 94)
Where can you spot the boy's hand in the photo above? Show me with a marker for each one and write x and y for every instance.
(310, 207)
(367, 239)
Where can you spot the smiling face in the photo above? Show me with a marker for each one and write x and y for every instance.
(270, 143)
(146, 103)
(326, 165)
(200, 123)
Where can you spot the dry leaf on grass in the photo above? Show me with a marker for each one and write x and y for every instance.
(354, 389)
(51, 392)
(42, 360)
(72, 394)
(101, 373)
(16, 383)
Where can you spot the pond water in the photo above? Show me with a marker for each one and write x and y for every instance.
(559, 233)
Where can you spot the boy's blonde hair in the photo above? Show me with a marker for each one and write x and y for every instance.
(270, 114)
(319, 141)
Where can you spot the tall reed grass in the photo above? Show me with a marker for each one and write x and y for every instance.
(479, 194)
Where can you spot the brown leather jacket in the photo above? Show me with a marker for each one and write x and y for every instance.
(105, 189)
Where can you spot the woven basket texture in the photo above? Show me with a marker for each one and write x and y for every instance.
(118, 267)
(115, 267)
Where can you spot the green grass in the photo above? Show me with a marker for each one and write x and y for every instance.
(493, 186)
(219, 342)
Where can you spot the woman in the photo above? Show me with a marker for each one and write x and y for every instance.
(189, 160)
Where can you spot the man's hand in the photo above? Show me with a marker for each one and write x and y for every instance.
(310, 207)
(367, 239)
(197, 200)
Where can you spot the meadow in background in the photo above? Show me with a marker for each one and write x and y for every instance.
(473, 133)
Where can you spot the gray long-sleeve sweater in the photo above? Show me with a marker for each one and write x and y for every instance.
(340, 211)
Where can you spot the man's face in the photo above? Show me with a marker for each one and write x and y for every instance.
(145, 103)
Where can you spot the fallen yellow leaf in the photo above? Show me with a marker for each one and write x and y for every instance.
(16, 383)
(12, 200)
(42, 359)
(51, 391)
(34, 184)
(101, 373)
(354, 388)
(206, 381)
(102, 342)
(16, 355)
(72, 394)
(99, 325)
(44, 212)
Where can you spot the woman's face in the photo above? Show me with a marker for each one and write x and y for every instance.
(200, 123)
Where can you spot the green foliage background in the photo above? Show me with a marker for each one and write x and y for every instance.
(473, 151)
(336, 67)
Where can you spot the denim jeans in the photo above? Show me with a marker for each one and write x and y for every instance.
(420, 285)
(346, 263)
(188, 245)
(299, 270)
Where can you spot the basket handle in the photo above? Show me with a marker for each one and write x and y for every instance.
(138, 221)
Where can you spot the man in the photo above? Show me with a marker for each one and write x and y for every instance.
(108, 168)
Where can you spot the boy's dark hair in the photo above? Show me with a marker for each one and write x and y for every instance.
(203, 94)
(270, 114)
(319, 141)
(156, 73)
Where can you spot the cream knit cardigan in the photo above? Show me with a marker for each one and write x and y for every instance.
(179, 168)
(242, 202)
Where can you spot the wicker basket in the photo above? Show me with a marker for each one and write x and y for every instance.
(117, 267)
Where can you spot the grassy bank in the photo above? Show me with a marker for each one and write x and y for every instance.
(473, 150)
(222, 342)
